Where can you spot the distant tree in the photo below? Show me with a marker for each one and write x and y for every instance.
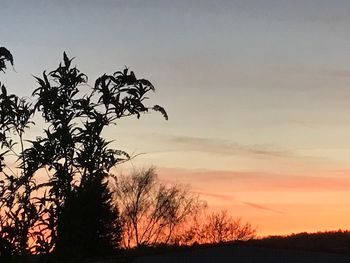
(152, 212)
(217, 227)
(70, 211)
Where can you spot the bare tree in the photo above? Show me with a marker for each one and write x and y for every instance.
(152, 212)
(217, 227)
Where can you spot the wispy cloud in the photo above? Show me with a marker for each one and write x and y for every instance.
(230, 199)
(259, 181)
(225, 147)
(217, 196)
(344, 73)
(263, 207)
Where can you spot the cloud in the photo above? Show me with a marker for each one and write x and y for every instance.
(225, 147)
(230, 198)
(344, 73)
(215, 195)
(263, 207)
(247, 181)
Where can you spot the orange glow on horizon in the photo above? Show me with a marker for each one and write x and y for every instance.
(275, 204)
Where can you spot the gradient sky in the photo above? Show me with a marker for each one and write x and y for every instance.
(258, 94)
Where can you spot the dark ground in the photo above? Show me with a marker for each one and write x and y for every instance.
(237, 253)
(244, 254)
(327, 247)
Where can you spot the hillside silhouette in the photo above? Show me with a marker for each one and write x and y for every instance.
(330, 246)
(329, 241)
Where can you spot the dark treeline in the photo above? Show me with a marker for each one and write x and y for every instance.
(329, 241)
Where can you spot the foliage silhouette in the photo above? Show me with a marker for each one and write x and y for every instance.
(17, 212)
(74, 202)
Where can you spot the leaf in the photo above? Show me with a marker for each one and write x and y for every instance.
(66, 60)
(161, 110)
(3, 90)
(5, 55)
(147, 83)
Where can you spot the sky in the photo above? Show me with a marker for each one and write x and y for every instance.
(257, 93)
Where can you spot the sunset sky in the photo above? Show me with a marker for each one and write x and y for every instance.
(257, 92)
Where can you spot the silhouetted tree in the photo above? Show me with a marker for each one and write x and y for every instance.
(152, 212)
(78, 157)
(217, 227)
(89, 209)
(70, 212)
